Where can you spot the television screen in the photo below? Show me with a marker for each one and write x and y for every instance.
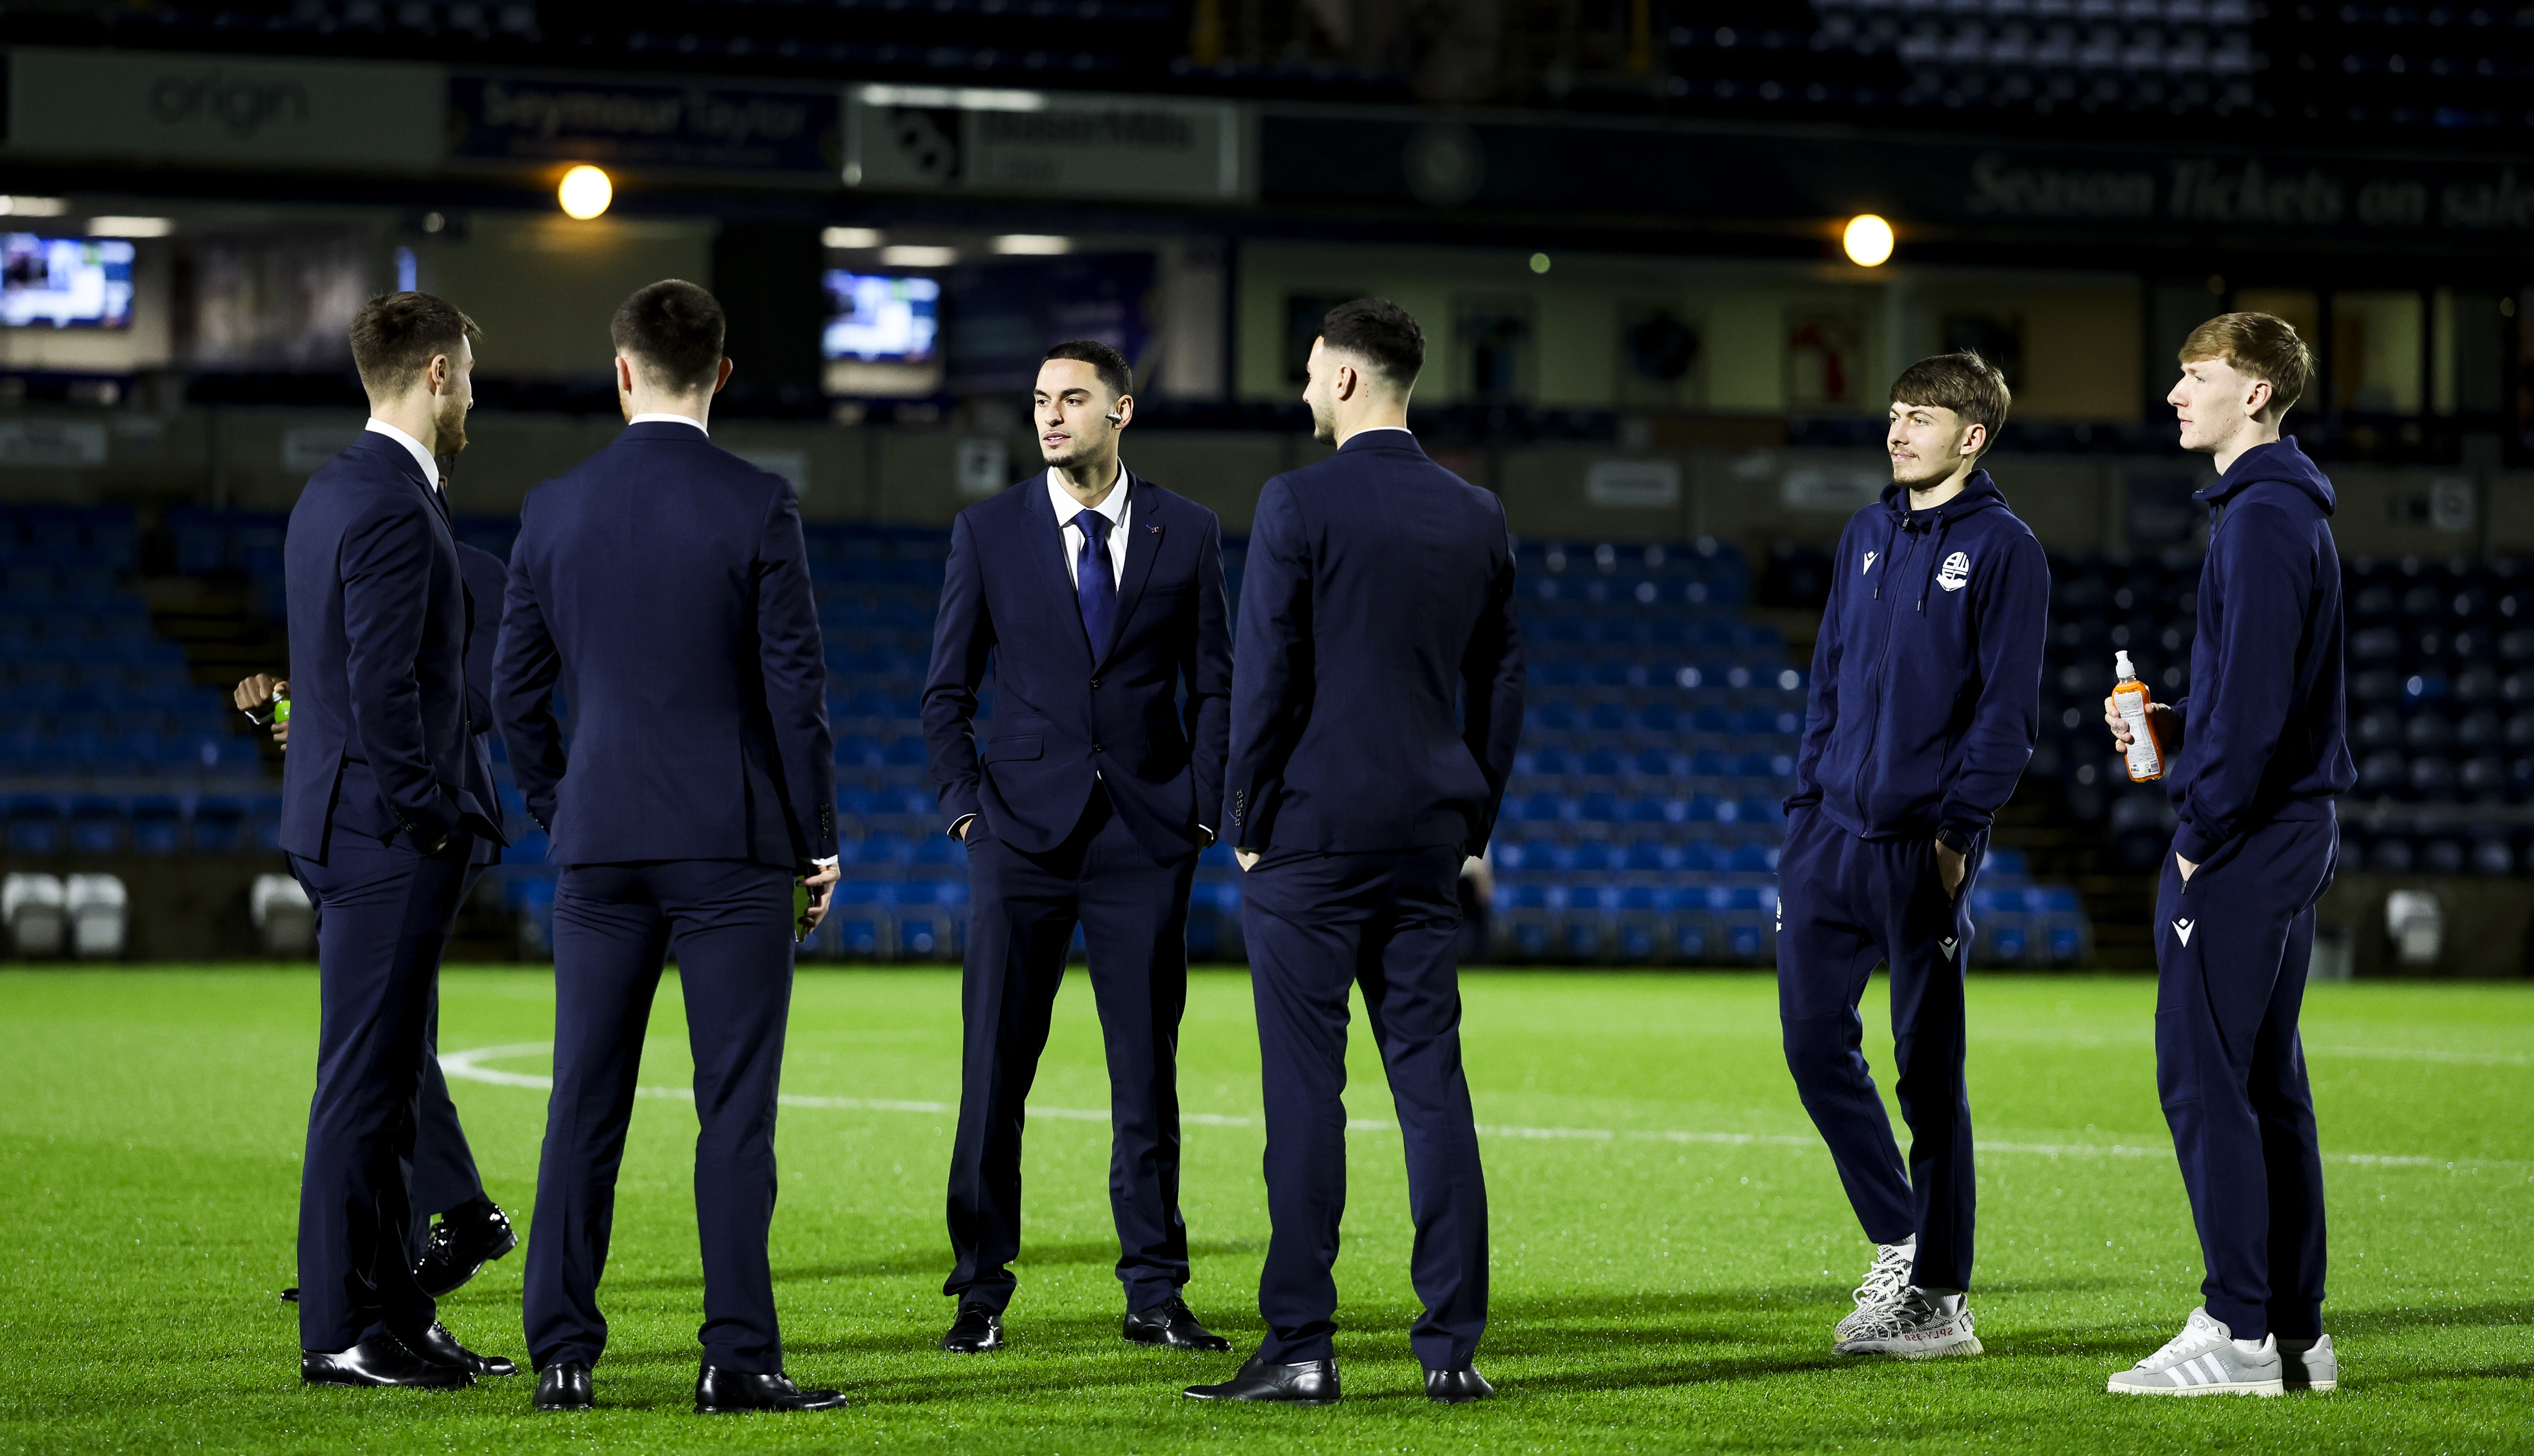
(65, 283)
(872, 316)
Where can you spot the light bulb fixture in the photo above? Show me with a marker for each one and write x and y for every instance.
(586, 193)
(1868, 240)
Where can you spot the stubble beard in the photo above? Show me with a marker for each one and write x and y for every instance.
(1324, 424)
(451, 423)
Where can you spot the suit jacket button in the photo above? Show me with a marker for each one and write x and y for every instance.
(1097, 749)
(1094, 684)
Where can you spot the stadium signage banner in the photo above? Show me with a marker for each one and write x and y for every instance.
(638, 125)
(1043, 144)
(247, 110)
(1720, 174)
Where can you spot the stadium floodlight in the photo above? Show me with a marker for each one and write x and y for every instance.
(584, 193)
(851, 237)
(33, 207)
(917, 254)
(1038, 244)
(1868, 240)
(129, 227)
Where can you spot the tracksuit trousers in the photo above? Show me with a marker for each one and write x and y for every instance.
(1022, 912)
(1318, 926)
(2231, 948)
(1843, 904)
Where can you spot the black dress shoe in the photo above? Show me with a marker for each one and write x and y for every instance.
(380, 1359)
(563, 1386)
(438, 1346)
(1454, 1387)
(465, 1239)
(1309, 1382)
(978, 1329)
(1171, 1323)
(721, 1392)
(290, 1296)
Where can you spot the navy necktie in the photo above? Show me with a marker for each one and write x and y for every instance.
(1094, 583)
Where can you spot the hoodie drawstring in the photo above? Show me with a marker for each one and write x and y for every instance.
(1935, 554)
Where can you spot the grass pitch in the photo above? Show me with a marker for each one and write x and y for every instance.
(1671, 1245)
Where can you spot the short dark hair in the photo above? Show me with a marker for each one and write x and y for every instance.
(1963, 382)
(394, 336)
(1381, 333)
(1105, 361)
(675, 329)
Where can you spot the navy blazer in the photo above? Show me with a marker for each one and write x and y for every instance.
(1064, 705)
(487, 580)
(1376, 691)
(664, 585)
(379, 736)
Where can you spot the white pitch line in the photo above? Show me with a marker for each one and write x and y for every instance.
(468, 1066)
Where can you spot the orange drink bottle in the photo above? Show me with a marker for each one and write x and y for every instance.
(2129, 696)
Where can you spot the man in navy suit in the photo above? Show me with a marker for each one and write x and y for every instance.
(384, 803)
(1098, 595)
(1376, 698)
(664, 587)
(441, 1173)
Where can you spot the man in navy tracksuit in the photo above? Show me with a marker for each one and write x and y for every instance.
(1926, 693)
(2252, 785)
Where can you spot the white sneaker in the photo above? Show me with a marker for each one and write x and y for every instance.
(2309, 1365)
(2203, 1360)
(1922, 1326)
(1887, 1279)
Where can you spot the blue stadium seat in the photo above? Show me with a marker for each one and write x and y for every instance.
(220, 823)
(157, 825)
(35, 825)
(97, 823)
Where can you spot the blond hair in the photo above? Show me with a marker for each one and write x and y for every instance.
(2262, 345)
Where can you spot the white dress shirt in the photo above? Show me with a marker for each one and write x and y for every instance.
(671, 419)
(1115, 505)
(412, 447)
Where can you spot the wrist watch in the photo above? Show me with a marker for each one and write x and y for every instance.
(1952, 839)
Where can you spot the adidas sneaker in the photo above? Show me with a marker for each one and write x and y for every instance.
(2206, 1359)
(2309, 1365)
(1887, 1279)
(1918, 1326)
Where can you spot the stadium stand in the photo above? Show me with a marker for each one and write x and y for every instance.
(1642, 824)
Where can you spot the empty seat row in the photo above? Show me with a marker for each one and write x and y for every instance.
(139, 751)
(42, 824)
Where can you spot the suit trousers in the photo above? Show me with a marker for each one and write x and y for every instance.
(383, 917)
(2231, 947)
(730, 924)
(1022, 912)
(1319, 925)
(1843, 904)
(442, 1172)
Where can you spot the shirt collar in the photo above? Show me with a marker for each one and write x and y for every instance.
(1111, 505)
(1376, 430)
(672, 420)
(412, 447)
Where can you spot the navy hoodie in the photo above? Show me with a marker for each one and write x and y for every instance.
(1927, 675)
(2263, 735)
